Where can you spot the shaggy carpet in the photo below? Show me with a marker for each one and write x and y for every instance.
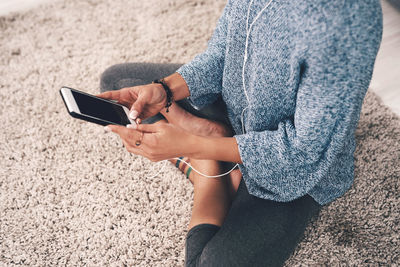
(71, 195)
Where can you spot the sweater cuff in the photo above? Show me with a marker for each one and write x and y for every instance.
(200, 95)
(257, 164)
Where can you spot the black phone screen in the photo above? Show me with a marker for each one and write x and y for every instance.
(100, 109)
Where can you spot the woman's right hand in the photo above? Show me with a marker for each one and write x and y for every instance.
(143, 101)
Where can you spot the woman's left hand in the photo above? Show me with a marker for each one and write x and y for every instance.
(157, 141)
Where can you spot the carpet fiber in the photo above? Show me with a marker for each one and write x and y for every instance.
(71, 194)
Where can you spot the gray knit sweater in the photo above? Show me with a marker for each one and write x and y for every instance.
(308, 69)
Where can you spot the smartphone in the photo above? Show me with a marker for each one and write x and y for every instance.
(94, 109)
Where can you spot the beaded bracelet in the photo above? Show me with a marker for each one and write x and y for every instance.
(167, 91)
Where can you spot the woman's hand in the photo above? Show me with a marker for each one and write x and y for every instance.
(157, 141)
(143, 101)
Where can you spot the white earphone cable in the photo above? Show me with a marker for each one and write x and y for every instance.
(248, 30)
(159, 170)
(209, 176)
(194, 169)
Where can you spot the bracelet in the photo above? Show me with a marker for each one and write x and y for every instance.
(167, 91)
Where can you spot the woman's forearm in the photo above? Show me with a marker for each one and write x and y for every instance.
(215, 148)
(178, 86)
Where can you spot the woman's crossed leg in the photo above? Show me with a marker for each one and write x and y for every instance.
(212, 196)
(228, 227)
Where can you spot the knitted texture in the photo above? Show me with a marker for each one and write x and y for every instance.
(308, 69)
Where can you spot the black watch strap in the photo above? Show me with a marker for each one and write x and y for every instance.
(167, 91)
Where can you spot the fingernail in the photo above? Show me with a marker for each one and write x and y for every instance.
(107, 129)
(131, 126)
(133, 114)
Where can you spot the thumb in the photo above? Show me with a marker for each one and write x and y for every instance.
(147, 128)
(137, 108)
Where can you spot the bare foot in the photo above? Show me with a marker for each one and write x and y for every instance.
(191, 123)
(184, 167)
(187, 121)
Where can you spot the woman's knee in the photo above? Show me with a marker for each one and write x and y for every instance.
(126, 75)
(109, 78)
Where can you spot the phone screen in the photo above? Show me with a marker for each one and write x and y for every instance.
(98, 108)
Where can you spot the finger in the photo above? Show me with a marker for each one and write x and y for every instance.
(124, 132)
(114, 95)
(129, 138)
(129, 134)
(132, 149)
(148, 128)
(137, 107)
(137, 150)
(115, 129)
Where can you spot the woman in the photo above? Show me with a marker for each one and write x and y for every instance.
(293, 75)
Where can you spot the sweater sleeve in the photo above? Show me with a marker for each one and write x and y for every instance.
(203, 74)
(334, 77)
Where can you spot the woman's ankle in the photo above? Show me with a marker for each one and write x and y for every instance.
(183, 164)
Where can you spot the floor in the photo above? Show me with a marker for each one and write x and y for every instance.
(7, 6)
(385, 81)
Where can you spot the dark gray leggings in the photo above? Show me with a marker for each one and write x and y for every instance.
(256, 232)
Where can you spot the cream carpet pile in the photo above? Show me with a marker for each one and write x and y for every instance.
(71, 195)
